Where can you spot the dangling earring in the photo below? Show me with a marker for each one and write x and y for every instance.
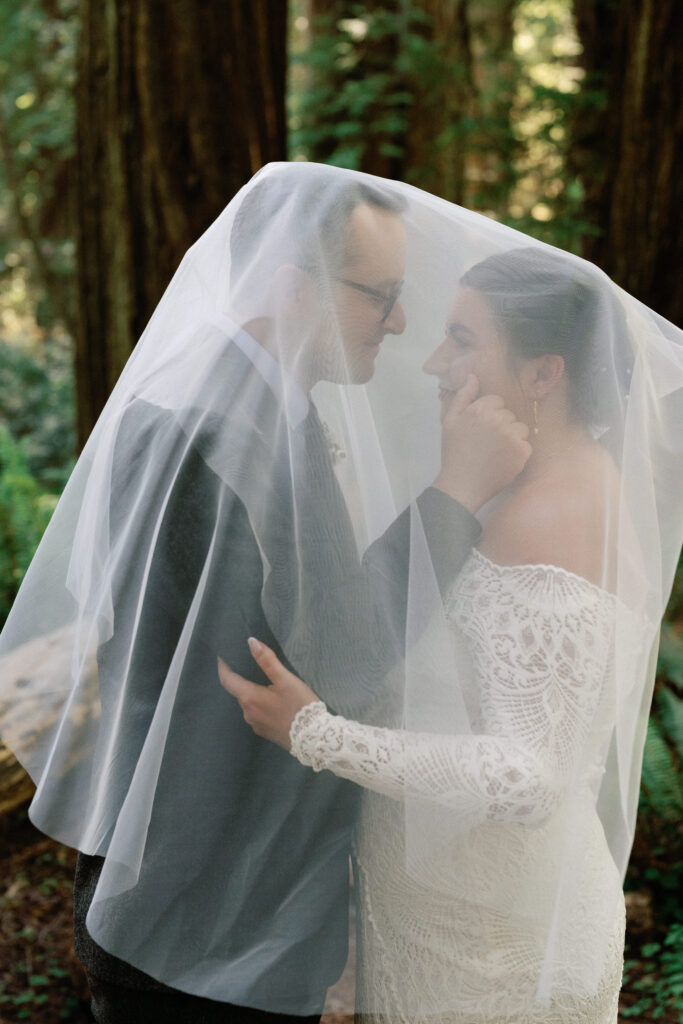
(535, 416)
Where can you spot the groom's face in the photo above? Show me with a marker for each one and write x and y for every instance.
(365, 305)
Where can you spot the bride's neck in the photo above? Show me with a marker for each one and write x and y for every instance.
(553, 444)
(552, 448)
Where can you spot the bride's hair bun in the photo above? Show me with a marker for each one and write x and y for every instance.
(548, 302)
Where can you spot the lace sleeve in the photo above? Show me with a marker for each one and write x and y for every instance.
(487, 777)
(539, 707)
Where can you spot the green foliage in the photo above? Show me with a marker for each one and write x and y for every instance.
(501, 110)
(37, 140)
(660, 980)
(675, 609)
(548, 202)
(662, 792)
(37, 441)
(37, 129)
(37, 405)
(657, 861)
(654, 970)
(381, 88)
(23, 517)
(362, 76)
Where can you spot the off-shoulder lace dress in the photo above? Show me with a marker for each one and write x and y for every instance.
(539, 641)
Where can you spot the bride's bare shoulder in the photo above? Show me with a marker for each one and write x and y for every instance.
(563, 518)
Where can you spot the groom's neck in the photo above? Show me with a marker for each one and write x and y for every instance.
(273, 339)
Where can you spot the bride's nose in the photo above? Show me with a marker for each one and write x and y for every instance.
(438, 362)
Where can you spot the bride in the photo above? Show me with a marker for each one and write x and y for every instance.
(466, 894)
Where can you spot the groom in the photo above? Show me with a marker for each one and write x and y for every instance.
(243, 886)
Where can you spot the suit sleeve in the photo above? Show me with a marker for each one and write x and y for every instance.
(450, 532)
(340, 622)
(343, 621)
(192, 525)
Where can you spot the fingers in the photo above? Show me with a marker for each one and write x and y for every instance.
(525, 449)
(268, 710)
(488, 406)
(490, 403)
(520, 430)
(268, 661)
(237, 685)
(254, 700)
(467, 393)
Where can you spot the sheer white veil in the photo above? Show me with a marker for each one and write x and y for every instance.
(108, 690)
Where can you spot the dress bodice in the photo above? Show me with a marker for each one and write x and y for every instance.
(467, 928)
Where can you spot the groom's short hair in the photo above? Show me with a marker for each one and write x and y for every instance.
(299, 213)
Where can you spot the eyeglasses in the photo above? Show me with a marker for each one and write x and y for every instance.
(384, 302)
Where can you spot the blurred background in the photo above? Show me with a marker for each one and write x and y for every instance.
(125, 128)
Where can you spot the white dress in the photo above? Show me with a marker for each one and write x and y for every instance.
(540, 641)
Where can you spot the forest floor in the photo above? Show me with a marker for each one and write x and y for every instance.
(41, 980)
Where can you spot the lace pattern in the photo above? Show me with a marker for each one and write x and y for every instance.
(540, 643)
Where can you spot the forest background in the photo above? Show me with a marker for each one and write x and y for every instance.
(127, 125)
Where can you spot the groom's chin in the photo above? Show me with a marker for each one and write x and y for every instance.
(364, 370)
(358, 374)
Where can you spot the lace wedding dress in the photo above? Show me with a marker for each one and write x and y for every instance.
(539, 641)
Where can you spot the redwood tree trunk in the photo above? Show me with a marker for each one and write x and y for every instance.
(629, 150)
(454, 66)
(372, 57)
(438, 134)
(179, 103)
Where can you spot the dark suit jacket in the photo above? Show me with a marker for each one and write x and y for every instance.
(258, 894)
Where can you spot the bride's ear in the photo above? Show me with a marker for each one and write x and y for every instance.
(543, 375)
(292, 289)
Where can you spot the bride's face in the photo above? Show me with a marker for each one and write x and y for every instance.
(473, 344)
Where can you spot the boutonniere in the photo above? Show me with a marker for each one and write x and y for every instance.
(337, 453)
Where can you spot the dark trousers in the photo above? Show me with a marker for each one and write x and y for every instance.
(117, 1004)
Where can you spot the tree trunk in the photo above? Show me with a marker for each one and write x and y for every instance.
(629, 149)
(441, 115)
(490, 168)
(373, 57)
(179, 103)
(438, 132)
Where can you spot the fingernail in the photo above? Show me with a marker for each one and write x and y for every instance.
(255, 646)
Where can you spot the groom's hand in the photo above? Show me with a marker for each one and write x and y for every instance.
(483, 446)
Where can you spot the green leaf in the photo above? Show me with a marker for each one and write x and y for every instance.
(24, 997)
(58, 972)
(390, 150)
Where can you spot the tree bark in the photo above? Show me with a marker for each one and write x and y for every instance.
(437, 83)
(371, 57)
(629, 149)
(437, 138)
(27, 229)
(179, 103)
(455, 67)
(490, 172)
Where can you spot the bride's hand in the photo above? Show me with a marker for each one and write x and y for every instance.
(269, 710)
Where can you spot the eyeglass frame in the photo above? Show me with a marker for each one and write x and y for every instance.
(388, 300)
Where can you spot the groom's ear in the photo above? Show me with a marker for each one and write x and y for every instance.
(293, 290)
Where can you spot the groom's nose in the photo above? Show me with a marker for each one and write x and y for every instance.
(395, 323)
